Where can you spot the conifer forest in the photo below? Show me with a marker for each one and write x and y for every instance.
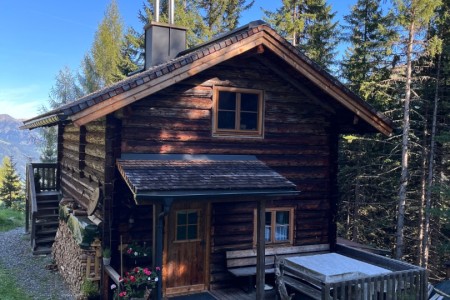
(394, 191)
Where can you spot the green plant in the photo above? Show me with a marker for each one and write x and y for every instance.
(136, 283)
(106, 253)
(10, 219)
(137, 250)
(9, 288)
(89, 289)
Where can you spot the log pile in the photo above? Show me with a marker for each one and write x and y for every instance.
(74, 264)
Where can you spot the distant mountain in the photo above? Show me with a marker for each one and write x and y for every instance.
(21, 145)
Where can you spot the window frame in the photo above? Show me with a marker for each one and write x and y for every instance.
(216, 131)
(186, 212)
(273, 212)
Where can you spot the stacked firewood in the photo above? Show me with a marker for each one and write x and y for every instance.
(72, 261)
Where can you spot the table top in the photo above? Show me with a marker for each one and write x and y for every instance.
(333, 267)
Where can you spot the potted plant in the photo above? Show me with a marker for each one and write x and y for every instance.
(138, 255)
(137, 284)
(106, 256)
(89, 289)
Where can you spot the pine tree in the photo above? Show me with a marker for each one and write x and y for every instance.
(220, 16)
(88, 78)
(308, 24)
(414, 16)
(10, 185)
(107, 46)
(320, 34)
(368, 59)
(64, 91)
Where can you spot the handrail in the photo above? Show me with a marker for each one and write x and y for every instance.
(47, 176)
(112, 274)
(31, 188)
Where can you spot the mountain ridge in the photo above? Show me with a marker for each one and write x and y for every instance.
(21, 145)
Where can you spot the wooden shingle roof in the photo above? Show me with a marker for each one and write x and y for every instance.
(197, 59)
(184, 178)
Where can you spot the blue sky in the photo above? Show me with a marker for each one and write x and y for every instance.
(39, 38)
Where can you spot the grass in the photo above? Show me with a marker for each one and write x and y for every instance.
(9, 290)
(10, 219)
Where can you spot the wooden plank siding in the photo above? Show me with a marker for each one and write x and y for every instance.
(83, 160)
(296, 144)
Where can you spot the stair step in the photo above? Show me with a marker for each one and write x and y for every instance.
(48, 193)
(46, 231)
(47, 201)
(45, 215)
(42, 250)
(46, 223)
(43, 240)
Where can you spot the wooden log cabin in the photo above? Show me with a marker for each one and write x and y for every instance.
(230, 145)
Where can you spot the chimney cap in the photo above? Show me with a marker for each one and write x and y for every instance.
(153, 23)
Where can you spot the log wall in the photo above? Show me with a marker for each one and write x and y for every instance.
(297, 144)
(83, 161)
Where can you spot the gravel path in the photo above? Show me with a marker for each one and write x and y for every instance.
(29, 270)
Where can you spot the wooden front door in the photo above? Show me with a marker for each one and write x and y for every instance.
(186, 241)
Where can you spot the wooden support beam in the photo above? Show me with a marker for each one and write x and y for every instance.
(260, 248)
(159, 247)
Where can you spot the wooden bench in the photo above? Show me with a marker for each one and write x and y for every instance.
(242, 263)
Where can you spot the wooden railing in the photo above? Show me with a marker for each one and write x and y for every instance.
(39, 177)
(395, 285)
(45, 176)
(404, 281)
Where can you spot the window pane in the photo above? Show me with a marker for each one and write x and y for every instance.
(192, 218)
(181, 218)
(249, 121)
(227, 100)
(226, 120)
(181, 233)
(249, 102)
(282, 217)
(192, 232)
(282, 226)
(267, 233)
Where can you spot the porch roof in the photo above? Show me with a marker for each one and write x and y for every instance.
(156, 179)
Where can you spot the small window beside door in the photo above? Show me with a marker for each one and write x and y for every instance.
(187, 228)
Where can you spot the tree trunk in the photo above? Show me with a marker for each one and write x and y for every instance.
(426, 237)
(423, 181)
(405, 148)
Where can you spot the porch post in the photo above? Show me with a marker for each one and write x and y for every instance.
(159, 239)
(260, 251)
(164, 209)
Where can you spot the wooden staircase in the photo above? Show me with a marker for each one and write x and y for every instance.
(46, 221)
(42, 208)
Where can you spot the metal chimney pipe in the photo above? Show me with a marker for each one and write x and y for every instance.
(171, 12)
(156, 10)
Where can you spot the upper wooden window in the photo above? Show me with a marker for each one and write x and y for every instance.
(238, 112)
(187, 228)
(279, 227)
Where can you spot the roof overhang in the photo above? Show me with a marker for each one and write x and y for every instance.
(43, 121)
(209, 178)
(193, 61)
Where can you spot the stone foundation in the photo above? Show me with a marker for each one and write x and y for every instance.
(74, 263)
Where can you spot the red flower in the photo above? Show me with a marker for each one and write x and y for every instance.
(122, 294)
(132, 278)
(129, 251)
(136, 269)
